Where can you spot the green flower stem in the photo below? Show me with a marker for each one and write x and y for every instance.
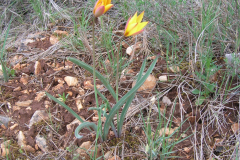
(99, 127)
(117, 76)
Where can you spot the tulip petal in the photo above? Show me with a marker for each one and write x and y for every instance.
(140, 17)
(99, 11)
(127, 23)
(130, 28)
(108, 2)
(107, 7)
(133, 19)
(140, 26)
(138, 29)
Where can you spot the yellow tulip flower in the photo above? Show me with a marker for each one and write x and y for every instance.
(134, 25)
(101, 7)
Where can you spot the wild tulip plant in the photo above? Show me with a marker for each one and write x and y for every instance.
(133, 27)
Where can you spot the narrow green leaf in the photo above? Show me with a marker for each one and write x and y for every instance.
(99, 76)
(125, 98)
(65, 106)
(84, 125)
(129, 101)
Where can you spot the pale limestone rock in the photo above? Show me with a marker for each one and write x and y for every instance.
(163, 78)
(37, 68)
(24, 103)
(166, 101)
(40, 96)
(22, 142)
(75, 121)
(17, 89)
(42, 143)
(148, 85)
(38, 116)
(71, 81)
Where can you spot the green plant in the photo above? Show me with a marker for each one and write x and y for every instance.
(126, 99)
(159, 141)
(2, 57)
(204, 78)
(63, 97)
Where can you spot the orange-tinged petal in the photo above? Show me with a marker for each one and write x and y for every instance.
(140, 17)
(107, 7)
(127, 23)
(99, 11)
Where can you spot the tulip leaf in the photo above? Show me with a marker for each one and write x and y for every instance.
(129, 101)
(83, 125)
(125, 98)
(65, 106)
(99, 75)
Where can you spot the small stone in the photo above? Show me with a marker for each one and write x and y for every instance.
(38, 116)
(40, 96)
(25, 91)
(5, 148)
(47, 104)
(3, 126)
(84, 147)
(235, 128)
(24, 79)
(16, 108)
(187, 149)
(42, 143)
(29, 108)
(163, 78)
(88, 85)
(79, 104)
(115, 158)
(71, 81)
(135, 47)
(166, 101)
(75, 121)
(37, 68)
(53, 39)
(70, 93)
(174, 69)
(151, 58)
(4, 121)
(13, 126)
(22, 142)
(148, 85)
(81, 91)
(17, 89)
(24, 103)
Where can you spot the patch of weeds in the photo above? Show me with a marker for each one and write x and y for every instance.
(160, 145)
(207, 87)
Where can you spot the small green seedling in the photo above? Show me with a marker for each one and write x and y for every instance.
(62, 97)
